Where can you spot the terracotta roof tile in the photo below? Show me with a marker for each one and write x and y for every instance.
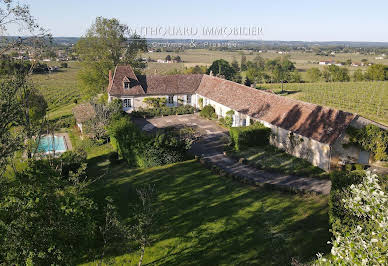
(170, 84)
(121, 74)
(313, 121)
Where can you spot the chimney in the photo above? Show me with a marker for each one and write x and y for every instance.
(110, 76)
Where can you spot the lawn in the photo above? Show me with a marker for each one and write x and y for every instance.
(205, 219)
(272, 159)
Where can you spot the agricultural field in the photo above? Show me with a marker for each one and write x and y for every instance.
(59, 88)
(369, 99)
(302, 60)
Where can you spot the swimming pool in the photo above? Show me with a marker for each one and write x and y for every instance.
(47, 144)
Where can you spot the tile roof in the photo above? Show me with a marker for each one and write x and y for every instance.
(83, 112)
(313, 121)
(170, 84)
(320, 123)
(121, 74)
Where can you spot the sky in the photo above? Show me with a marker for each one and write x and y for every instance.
(297, 20)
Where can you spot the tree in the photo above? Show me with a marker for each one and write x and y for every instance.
(105, 114)
(358, 75)
(222, 68)
(105, 45)
(18, 16)
(314, 74)
(10, 141)
(168, 58)
(375, 72)
(235, 66)
(177, 59)
(44, 220)
(280, 69)
(243, 63)
(295, 77)
(335, 73)
(362, 243)
(33, 109)
(237, 78)
(145, 215)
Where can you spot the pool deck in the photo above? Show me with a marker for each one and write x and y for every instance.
(69, 147)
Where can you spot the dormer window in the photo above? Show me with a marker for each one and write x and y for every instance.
(126, 85)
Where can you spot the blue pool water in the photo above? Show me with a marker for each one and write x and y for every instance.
(48, 144)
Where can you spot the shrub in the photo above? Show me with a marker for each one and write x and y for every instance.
(370, 138)
(254, 135)
(141, 150)
(155, 102)
(127, 139)
(363, 239)
(208, 112)
(72, 160)
(165, 111)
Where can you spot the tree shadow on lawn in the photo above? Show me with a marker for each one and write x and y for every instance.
(211, 220)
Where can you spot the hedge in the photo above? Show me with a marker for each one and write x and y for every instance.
(143, 150)
(253, 135)
(165, 111)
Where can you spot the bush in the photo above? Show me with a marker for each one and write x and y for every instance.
(370, 138)
(113, 157)
(141, 150)
(208, 112)
(71, 161)
(165, 111)
(254, 135)
(63, 65)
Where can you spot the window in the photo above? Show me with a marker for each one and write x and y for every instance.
(188, 99)
(170, 99)
(244, 122)
(126, 85)
(127, 103)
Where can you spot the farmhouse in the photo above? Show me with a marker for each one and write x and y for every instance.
(305, 130)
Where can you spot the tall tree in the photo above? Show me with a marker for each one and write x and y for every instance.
(314, 74)
(243, 63)
(375, 72)
(222, 68)
(335, 73)
(9, 114)
(106, 44)
(18, 16)
(280, 69)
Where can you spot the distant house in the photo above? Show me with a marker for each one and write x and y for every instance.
(303, 129)
(356, 64)
(379, 57)
(328, 63)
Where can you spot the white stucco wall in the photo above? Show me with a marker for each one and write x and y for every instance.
(315, 152)
(138, 101)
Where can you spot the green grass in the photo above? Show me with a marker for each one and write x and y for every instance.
(369, 99)
(275, 160)
(59, 88)
(205, 219)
